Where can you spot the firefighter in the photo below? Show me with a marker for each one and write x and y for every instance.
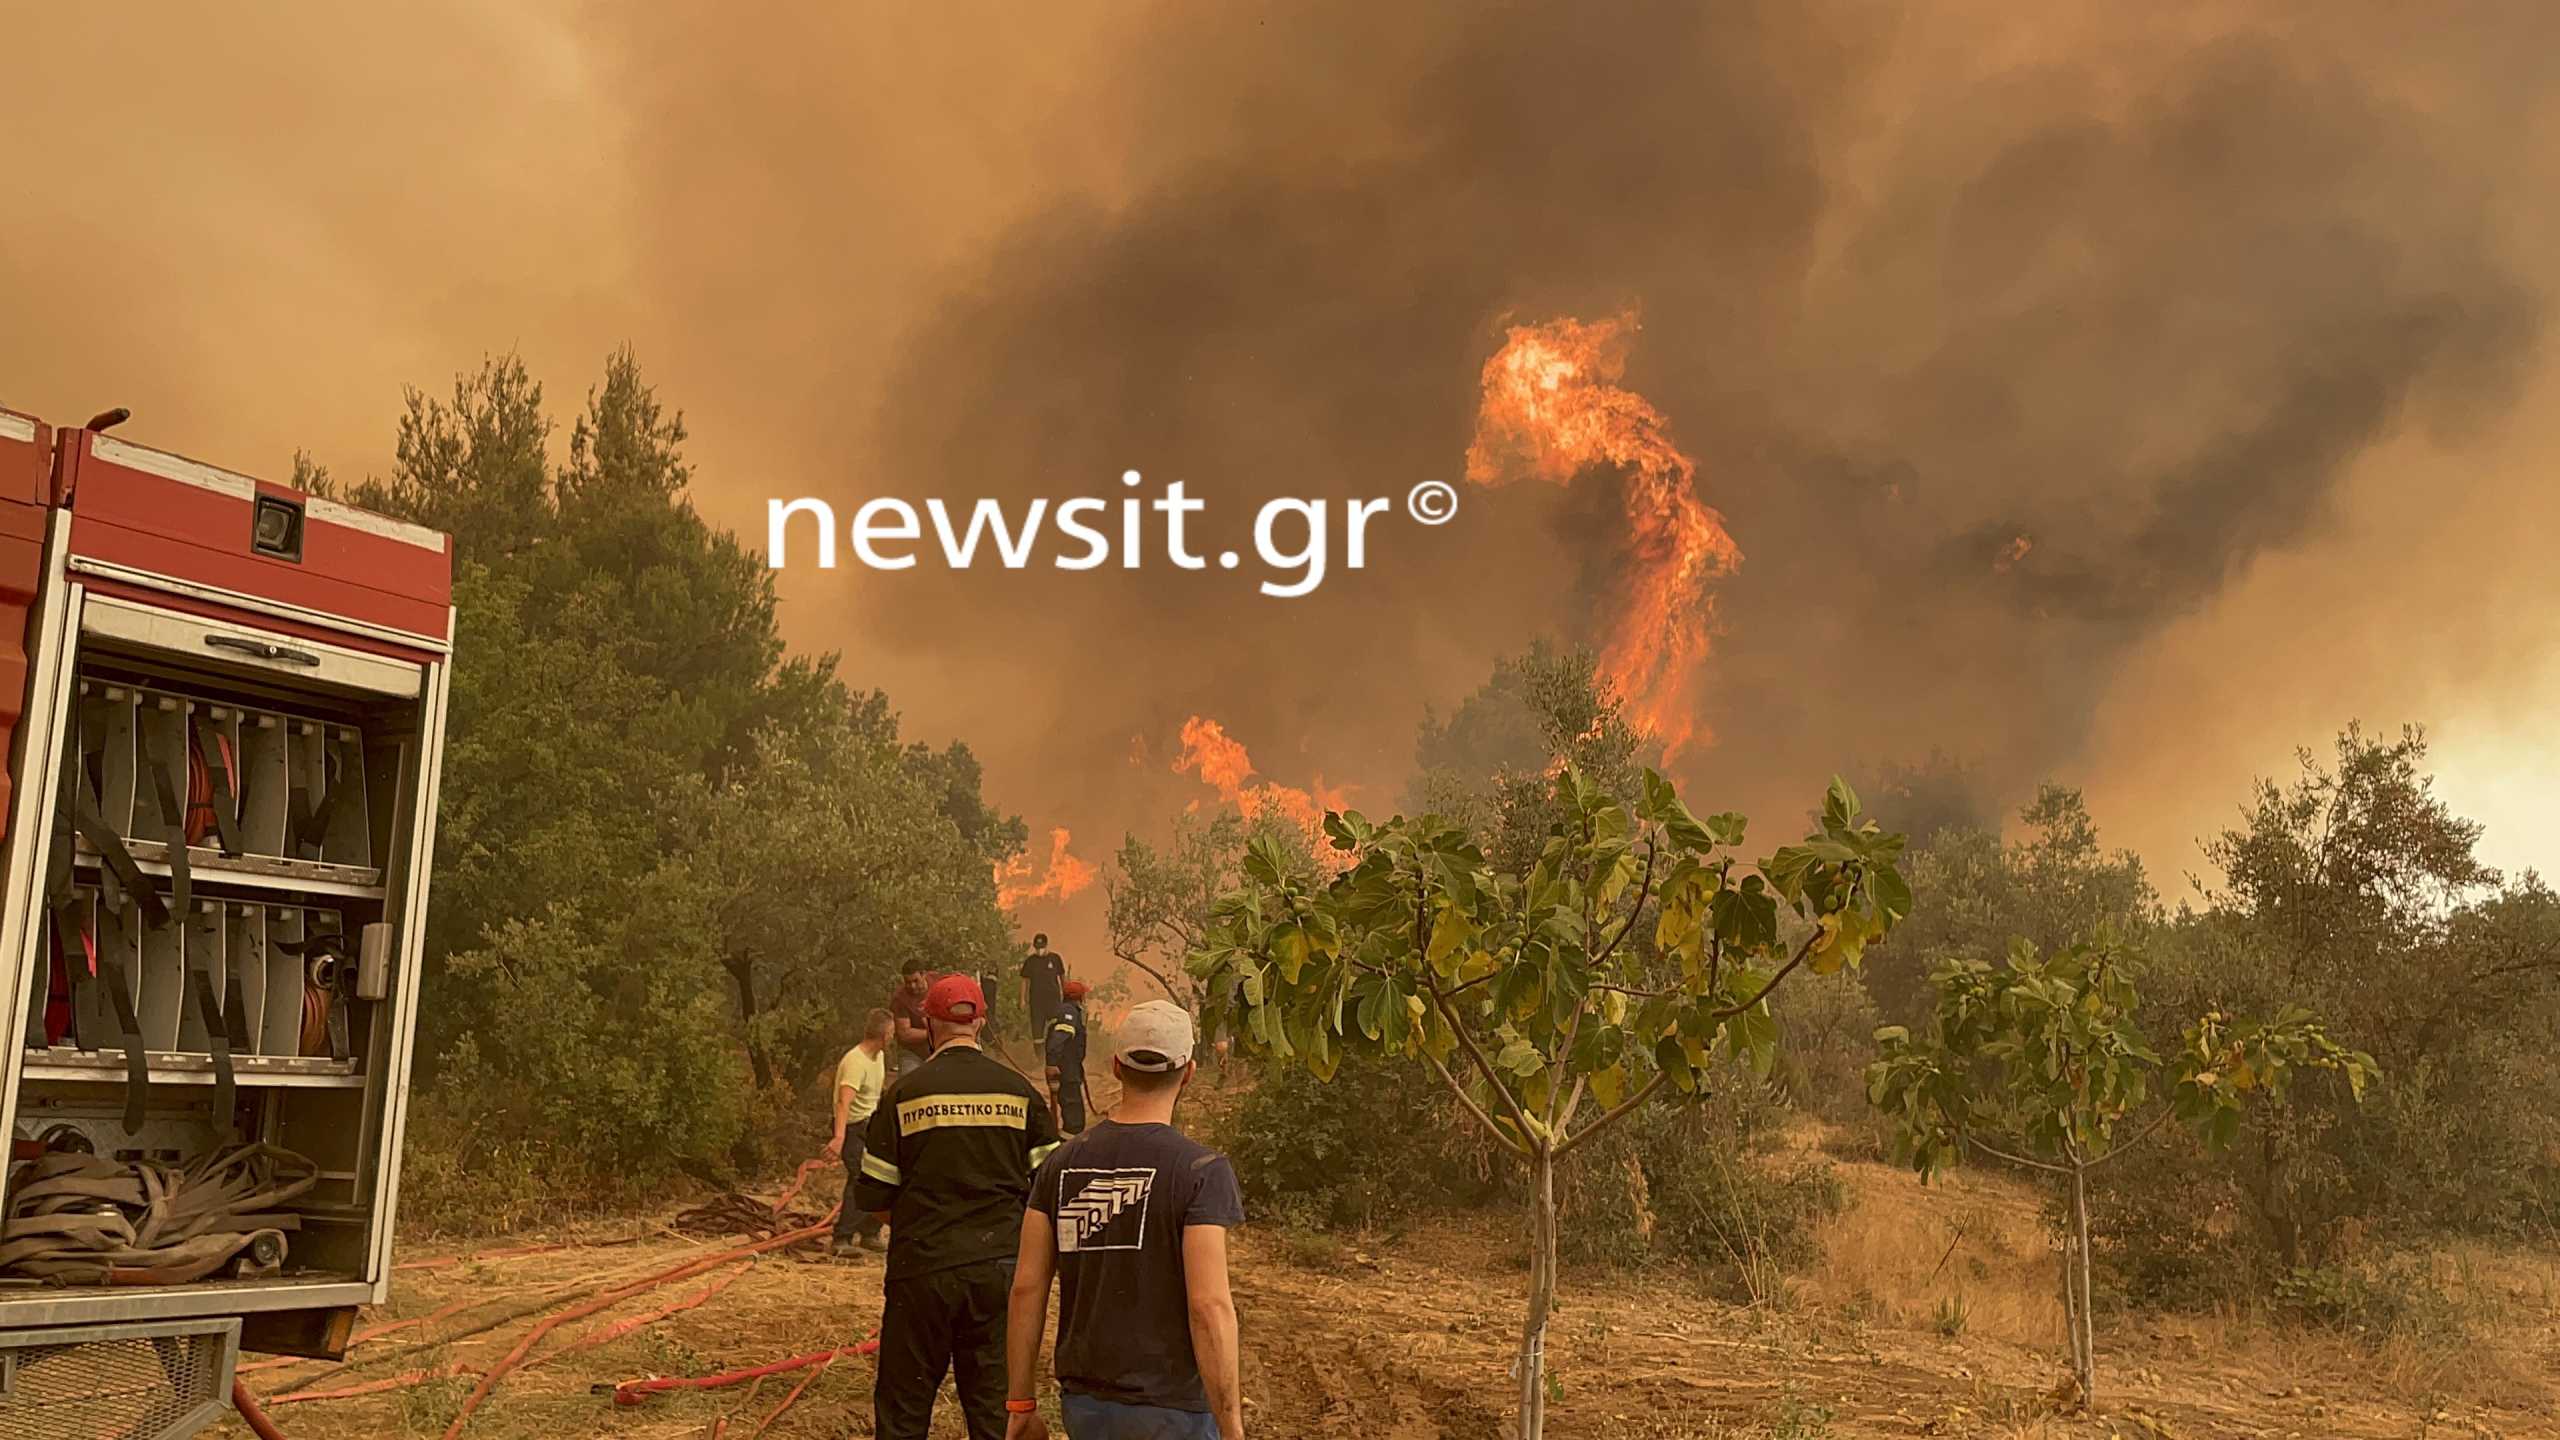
(1066, 1057)
(947, 1161)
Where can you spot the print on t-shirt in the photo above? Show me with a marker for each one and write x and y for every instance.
(1103, 1209)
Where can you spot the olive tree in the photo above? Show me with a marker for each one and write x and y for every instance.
(2042, 1064)
(1531, 989)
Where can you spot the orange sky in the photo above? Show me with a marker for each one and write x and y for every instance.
(848, 240)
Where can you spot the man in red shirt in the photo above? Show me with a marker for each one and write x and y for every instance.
(906, 1010)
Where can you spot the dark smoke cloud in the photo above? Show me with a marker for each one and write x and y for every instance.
(2194, 298)
(1272, 320)
(2143, 304)
(2152, 340)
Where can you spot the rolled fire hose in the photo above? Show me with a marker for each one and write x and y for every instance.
(81, 1220)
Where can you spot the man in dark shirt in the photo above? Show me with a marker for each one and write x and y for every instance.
(1044, 977)
(1065, 1050)
(1132, 1217)
(948, 1157)
(906, 1010)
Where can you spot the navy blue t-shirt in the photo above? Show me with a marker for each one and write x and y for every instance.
(1121, 1196)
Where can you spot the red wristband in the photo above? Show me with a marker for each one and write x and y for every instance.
(1022, 1407)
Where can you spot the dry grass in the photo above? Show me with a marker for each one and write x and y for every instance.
(1968, 1262)
(1903, 1255)
(1409, 1339)
(2497, 1345)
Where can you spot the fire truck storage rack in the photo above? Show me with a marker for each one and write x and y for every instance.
(272, 763)
(237, 749)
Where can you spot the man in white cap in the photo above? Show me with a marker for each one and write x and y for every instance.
(1132, 1218)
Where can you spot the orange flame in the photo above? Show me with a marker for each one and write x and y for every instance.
(1065, 876)
(2011, 553)
(1221, 763)
(1553, 407)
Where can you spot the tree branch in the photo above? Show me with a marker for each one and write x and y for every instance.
(1998, 1154)
(1783, 971)
(1563, 1053)
(1487, 1121)
(1715, 942)
(1605, 1121)
(1476, 1053)
(1643, 886)
(1176, 996)
(2139, 1136)
(1572, 1103)
(1449, 1016)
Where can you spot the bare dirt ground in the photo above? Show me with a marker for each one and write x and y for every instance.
(1412, 1341)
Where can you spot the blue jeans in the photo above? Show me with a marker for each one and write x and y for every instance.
(1091, 1419)
(851, 1219)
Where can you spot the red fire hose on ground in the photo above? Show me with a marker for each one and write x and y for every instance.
(255, 1416)
(252, 1412)
(400, 1381)
(686, 1271)
(792, 1191)
(632, 1392)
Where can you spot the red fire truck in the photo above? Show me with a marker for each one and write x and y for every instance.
(224, 703)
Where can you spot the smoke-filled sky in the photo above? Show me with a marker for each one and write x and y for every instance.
(2127, 394)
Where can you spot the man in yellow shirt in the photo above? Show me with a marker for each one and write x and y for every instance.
(860, 1077)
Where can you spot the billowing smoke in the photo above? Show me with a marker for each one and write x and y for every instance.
(2019, 348)
(1994, 363)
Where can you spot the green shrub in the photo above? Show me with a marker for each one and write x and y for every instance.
(1383, 1141)
(1700, 1184)
(2162, 1223)
(1380, 1142)
(454, 1181)
(1311, 1249)
(1828, 1024)
(2399, 1296)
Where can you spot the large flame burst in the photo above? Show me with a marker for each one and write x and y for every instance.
(1066, 874)
(1553, 408)
(1222, 764)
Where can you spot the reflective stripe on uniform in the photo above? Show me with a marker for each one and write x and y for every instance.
(937, 1112)
(876, 1168)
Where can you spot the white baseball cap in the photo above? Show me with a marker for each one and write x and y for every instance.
(1155, 1037)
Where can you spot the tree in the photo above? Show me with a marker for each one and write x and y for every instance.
(2355, 890)
(1491, 765)
(2044, 1065)
(674, 864)
(1523, 986)
(1924, 797)
(2052, 884)
(1162, 900)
